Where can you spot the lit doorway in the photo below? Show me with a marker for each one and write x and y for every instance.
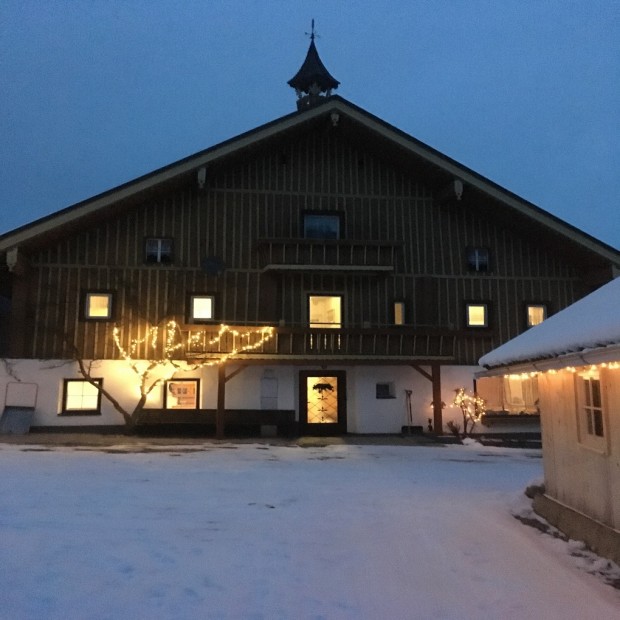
(322, 403)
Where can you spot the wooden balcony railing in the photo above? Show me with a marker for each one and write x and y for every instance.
(289, 342)
(313, 254)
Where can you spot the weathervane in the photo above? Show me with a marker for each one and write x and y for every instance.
(311, 34)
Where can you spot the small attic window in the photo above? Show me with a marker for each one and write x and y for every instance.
(322, 225)
(477, 259)
(158, 250)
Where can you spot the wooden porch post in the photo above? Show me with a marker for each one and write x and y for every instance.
(221, 402)
(437, 403)
(435, 378)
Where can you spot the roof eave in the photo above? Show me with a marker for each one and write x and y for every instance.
(167, 173)
(396, 136)
(585, 357)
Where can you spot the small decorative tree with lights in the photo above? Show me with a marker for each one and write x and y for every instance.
(471, 406)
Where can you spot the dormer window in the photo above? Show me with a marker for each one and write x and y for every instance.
(322, 225)
(158, 250)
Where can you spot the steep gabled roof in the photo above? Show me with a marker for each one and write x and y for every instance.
(587, 332)
(334, 111)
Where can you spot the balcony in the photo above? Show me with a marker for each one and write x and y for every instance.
(341, 255)
(293, 343)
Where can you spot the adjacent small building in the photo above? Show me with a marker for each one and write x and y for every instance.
(574, 357)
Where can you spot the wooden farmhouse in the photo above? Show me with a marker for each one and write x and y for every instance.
(575, 358)
(323, 273)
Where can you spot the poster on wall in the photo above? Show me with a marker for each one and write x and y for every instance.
(182, 394)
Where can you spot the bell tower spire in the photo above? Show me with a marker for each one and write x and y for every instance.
(312, 82)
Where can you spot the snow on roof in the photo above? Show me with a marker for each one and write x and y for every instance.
(590, 323)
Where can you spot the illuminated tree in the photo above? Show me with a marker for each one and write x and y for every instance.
(471, 406)
(163, 352)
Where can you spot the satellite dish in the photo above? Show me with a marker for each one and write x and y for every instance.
(213, 265)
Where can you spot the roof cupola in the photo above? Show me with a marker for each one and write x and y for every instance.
(312, 82)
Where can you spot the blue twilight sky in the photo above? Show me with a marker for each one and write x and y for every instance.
(94, 93)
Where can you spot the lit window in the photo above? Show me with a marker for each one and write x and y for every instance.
(201, 307)
(520, 394)
(158, 250)
(321, 226)
(81, 397)
(182, 394)
(536, 313)
(477, 315)
(592, 405)
(325, 311)
(477, 259)
(399, 313)
(98, 306)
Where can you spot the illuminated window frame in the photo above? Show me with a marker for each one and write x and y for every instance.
(529, 322)
(470, 307)
(336, 323)
(195, 315)
(90, 310)
(80, 397)
(158, 250)
(399, 313)
(180, 394)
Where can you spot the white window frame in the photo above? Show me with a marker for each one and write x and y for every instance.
(591, 422)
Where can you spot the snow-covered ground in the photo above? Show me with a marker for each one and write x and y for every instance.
(257, 531)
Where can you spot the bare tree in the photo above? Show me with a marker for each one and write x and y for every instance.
(168, 354)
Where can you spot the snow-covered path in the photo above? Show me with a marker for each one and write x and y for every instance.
(252, 531)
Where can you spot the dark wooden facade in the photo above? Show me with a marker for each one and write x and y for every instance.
(404, 236)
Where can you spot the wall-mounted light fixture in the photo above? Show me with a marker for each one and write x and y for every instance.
(202, 177)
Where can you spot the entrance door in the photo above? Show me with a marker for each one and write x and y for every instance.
(322, 402)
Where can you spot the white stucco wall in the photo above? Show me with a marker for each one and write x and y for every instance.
(365, 413)
(368, 414)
